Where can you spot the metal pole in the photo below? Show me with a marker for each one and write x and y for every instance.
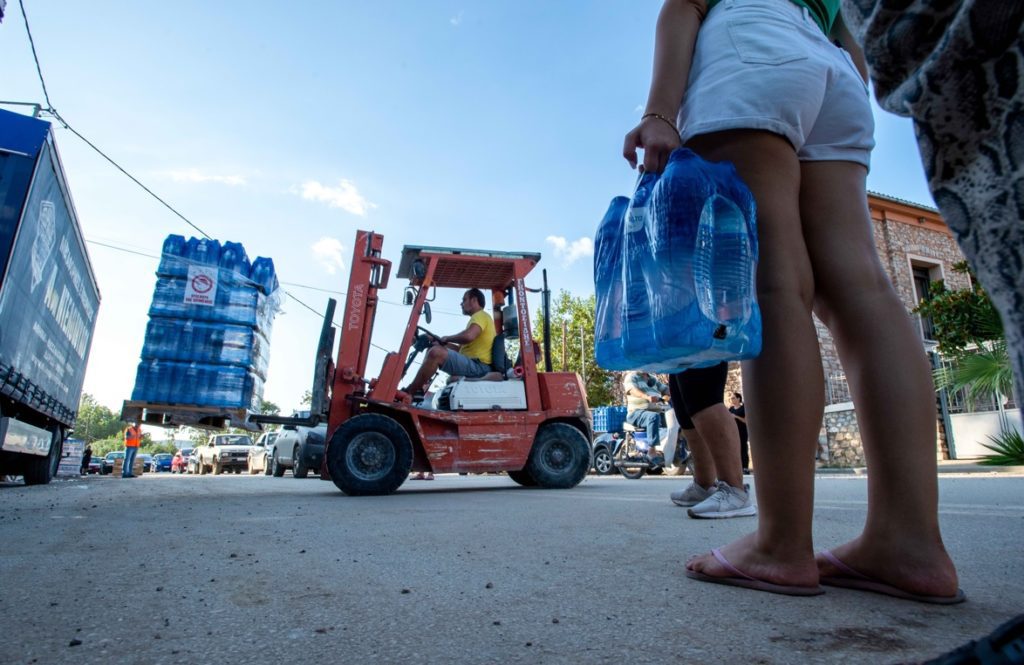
(583, 356)
(565, 337)
(547, 322)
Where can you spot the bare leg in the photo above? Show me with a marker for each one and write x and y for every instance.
(703, 464)
(721, 442)
(891, 384)
(784, 430)
(434, 359)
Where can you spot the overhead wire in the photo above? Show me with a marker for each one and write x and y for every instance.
(50, 110)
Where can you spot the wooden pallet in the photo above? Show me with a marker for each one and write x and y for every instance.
(190, 415)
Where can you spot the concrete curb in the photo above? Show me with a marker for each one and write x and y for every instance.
(944, 467)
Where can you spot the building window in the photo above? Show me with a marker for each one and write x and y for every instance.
(923, 291)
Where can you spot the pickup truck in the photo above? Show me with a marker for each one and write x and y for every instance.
(223, 452)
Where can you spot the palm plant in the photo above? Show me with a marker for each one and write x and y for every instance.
(970, 331)
(1007, 449)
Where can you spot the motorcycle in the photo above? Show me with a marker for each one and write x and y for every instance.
(629, 453)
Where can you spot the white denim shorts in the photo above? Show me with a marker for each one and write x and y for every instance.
(765, 64)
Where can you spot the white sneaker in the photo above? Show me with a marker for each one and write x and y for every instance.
(692, 495)
(727, 501)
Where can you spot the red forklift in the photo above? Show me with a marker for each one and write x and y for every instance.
(533, 425)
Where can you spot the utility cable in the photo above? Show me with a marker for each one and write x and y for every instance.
(32, 43)
(52, 111)
(102, 154)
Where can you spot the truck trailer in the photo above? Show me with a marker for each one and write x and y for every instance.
(48, 301)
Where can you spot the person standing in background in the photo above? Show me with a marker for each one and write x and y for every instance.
(739, 412)
(132, 439)
(86, 458)
(717, 490)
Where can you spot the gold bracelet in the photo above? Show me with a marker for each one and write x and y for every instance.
(660, 117)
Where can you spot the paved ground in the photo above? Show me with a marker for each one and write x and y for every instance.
(238, 569)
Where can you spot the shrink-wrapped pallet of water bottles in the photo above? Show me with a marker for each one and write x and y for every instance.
(208, 339)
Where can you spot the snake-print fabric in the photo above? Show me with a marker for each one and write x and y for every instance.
(957, 68)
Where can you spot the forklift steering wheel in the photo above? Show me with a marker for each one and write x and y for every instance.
(429, 334)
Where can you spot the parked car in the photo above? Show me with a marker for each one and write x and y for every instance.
(259, 454)
(300, 449)
(95, 465)
(108, 461)
(224, 452)
(147, 462)
(162, 462)
(179, 463)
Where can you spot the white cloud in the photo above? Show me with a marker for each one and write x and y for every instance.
(456, 20)
(329, 252)
(344, 196)
(195, 175)
(570, 252)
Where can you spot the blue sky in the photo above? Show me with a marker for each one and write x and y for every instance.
(493, 125)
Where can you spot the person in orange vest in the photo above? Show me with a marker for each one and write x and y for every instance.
(132, 439)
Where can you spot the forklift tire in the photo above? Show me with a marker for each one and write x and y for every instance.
(560, 457)
(523, 478)
(370, 454)
(299, 469)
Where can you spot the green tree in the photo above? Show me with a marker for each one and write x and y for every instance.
(572, 346)
(970, 333)
(307, 398)
(95, 421)
(268, 408)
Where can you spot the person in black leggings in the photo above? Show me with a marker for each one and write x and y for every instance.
(717, 490)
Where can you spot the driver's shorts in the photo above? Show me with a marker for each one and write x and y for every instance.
(457, 364)
(765, 64)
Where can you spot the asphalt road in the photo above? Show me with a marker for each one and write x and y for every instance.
(474, 569)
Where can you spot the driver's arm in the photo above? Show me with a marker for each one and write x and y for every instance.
(464, 337)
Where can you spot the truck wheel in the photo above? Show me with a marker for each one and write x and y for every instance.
(202, 468)
(560, 457)
(266, 466)
(216, 468)
(278, 470)
(40, 470)
(603, 463)
(299, 468)
(523, 477)
(370, 454)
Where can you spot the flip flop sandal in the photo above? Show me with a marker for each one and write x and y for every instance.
(851, 579)
(740, 579)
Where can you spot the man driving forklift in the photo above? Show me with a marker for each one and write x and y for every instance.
(467, 353)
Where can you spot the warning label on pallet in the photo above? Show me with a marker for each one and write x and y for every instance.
(201, 287)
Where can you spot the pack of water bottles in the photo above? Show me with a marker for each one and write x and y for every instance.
(674, 271)
(208, 338)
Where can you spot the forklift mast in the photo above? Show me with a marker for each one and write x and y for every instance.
(369, 273)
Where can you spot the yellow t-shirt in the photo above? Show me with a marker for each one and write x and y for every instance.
(480, 348)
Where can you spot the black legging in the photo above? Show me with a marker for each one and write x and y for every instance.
(695, 390)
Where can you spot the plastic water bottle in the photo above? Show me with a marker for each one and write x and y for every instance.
(203, 251)
(608, 286)
(263, 274)
(724, 266)
(170, 258)
(638, 328)
(234, 258)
